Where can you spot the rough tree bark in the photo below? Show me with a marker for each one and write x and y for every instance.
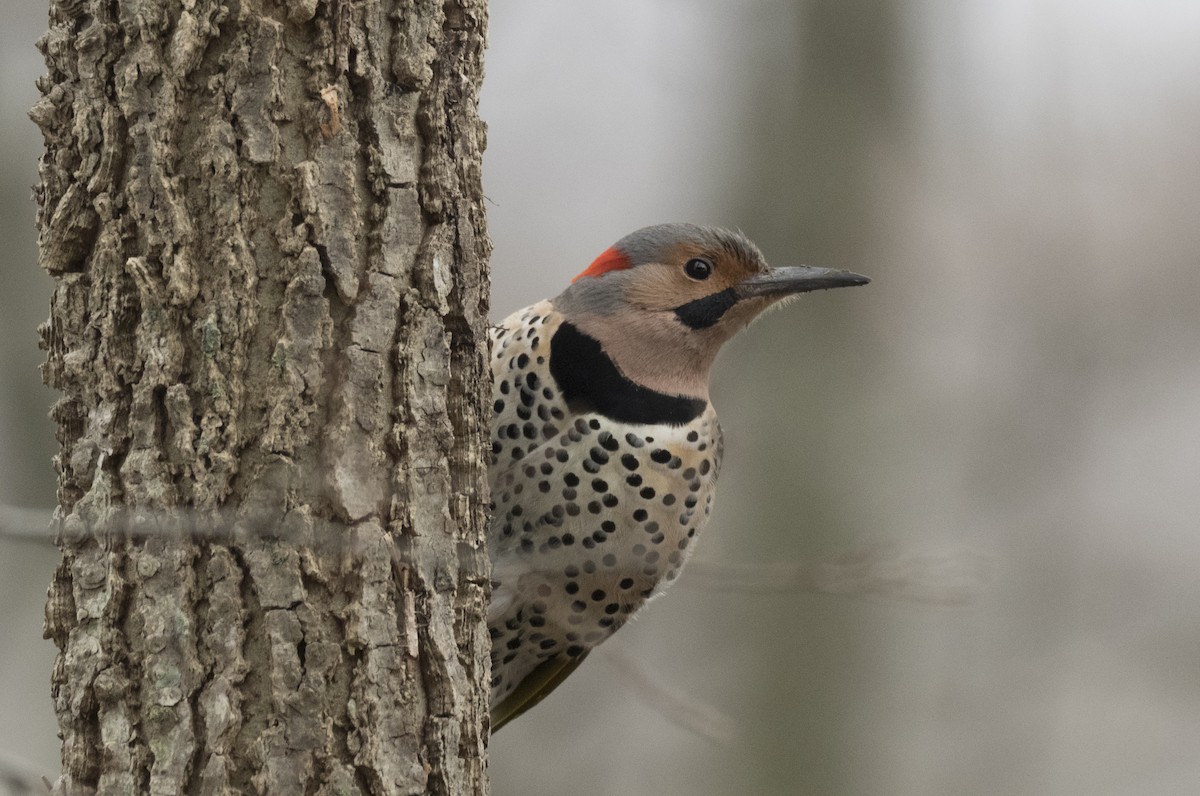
(265, 225)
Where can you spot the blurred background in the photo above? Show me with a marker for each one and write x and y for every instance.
(1011, 408)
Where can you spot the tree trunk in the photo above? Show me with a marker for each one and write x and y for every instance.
(269, 326)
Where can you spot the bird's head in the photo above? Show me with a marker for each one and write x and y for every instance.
(663, 300)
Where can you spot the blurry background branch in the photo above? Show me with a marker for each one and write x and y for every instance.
(31, 526)
(948, 577)
(952, 577)
(20, 777)
(685, 710)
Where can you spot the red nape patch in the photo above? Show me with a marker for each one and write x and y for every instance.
(610, 260)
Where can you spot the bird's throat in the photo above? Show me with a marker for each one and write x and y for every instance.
(591, 382)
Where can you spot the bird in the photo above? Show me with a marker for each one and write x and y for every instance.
(605, 447)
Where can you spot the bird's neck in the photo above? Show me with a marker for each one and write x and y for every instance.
(590, 380)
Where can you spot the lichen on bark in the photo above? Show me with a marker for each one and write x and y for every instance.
(266, 229)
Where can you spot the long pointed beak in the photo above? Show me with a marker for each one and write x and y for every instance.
(796, 279)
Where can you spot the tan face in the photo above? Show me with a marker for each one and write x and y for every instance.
(693, 296)
(677, 281)
(644, 330)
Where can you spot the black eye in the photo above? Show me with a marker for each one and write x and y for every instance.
(698, 268)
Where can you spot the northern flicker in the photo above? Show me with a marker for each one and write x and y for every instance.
(605, 448)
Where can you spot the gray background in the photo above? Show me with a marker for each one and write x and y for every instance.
(1017, 395)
